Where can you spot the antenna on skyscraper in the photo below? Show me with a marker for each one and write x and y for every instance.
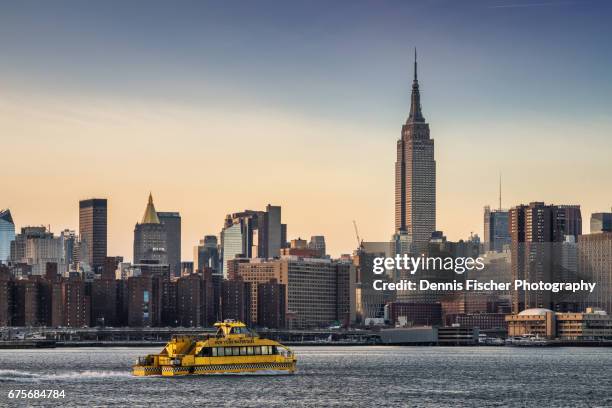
(415, 64)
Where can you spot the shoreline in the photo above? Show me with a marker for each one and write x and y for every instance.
(50, 344)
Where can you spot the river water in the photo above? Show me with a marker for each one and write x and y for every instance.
(327, 376)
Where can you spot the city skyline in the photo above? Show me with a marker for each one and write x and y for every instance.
(317, 118)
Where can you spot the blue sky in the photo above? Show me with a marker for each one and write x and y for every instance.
(335, 59)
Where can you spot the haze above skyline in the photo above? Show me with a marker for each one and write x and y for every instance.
(217, 108)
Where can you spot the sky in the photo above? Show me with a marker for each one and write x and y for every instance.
(217, 107)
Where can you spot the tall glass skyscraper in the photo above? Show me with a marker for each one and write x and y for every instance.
(232, 243)
(7, 234)
(93, 231)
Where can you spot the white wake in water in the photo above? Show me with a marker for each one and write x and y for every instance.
(27, 376)
(91, 375)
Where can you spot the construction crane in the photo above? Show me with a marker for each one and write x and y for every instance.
(359, 241)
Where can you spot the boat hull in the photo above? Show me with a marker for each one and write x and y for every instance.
(173, 371)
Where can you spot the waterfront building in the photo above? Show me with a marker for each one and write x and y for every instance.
(77, 303)
(93, 231)
(150, 239)
(496, 232)
(312, 291)
(482, 321)
(537, 231)
(144, 300)
(122, 302)
(314, 295)
(7, 234)
(457, 336)
(413, 314)
(236, 300)
(601, 222)
(591, 325)
(6, 297)
(415, 177)
(195, 300)
(104, 302)
(255, 272)
(26, 303)
(369, 303)
(464, 302)
(172, 223)
(346, 285)
(271, 305)
(595, 265)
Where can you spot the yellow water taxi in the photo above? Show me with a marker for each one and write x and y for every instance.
(233, 349)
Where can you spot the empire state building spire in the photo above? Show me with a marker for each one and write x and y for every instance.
(416, 116)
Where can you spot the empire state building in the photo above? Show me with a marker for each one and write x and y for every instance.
(415, 176)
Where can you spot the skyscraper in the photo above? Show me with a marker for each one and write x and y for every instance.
(415, 176)
(537, 231)
(496, 232)
(252, 234)
(172, 222)
(595, 265)
(7, 234)
(35, 246)
(92, 230)
(150, 237)
(273, 231)
(206, 254)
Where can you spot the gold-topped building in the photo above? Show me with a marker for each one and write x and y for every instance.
(150, 215)
(150, 239)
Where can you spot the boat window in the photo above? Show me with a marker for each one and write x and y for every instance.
(257, 350)
(236, 351)
(274, 350)
(214, 351)
(239, 330)
(206, 352)
(250, 351)
(265, 350)
(221, 352)
(243, 351)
